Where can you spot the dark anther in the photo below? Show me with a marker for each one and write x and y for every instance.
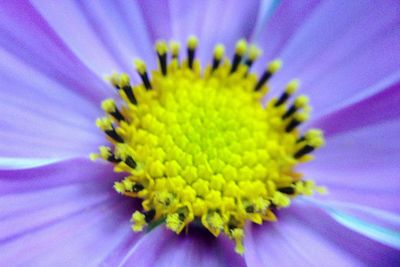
(289, 112)
(137, 188)
(263, 79)
(248, 62)
(191, 53)
(163, 62)
(282, 99)
(130, 162)
(113, 134)
(129, 93)
(181, 216)
(235, 62)
(117, 115)
(292, 124)
(249, 209)
(287, 190)
(304, 150)
(215, 63)
(149, 215)
(145, 79)
(301, 139)
(112, 158)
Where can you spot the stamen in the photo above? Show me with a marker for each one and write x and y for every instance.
(109, 106)
(162, 48)
(219, 51)
(273, 67)
(287, 190)
(241, 47)
(298, 118)
(300, 102)
(291, 88)
(174, 50)
(254, 53)
(106, 125)
(314, 139)
(192, 45)
(141, 69)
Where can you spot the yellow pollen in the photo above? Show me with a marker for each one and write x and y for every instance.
(199, 147)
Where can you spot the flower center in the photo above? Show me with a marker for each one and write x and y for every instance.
(199, 147)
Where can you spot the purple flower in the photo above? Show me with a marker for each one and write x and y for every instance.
(58, 207)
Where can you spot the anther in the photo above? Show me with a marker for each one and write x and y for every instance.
(310, 135)
(219, 51)
(174, 47)
(141, 69)
(300, 102)
(191, 46)
(273, 67)
(291, 88)
(250, 209)
(241, 47)
(107, 154)
(252, 56)
(162, 48)
(297, 119)
(113, 134)
(124, 84)
(304, 150)
(130, 162)
(314, 139)
(149, 215)
(110, 107)
(288, 190)
(137, 188)
(106, 125)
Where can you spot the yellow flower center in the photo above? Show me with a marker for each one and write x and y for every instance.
(200, 147)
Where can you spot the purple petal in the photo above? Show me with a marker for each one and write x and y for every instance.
(377, 108)
(103, 44)
(361, 166)
(26, 36)
(306, 236)
(41, 117)
(157, 18)
(334, 49)
(162, 247)
(73, 171)
(66, 19)
(284, 22)
(212, 22)
(377, 224)
(64, 213)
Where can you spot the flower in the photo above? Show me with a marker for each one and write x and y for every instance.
(58, 207)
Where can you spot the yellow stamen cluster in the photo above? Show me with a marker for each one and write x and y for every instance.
(201, 146)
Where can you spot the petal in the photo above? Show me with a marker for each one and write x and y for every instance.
(71, 25)
(162, 247)
(288, 17)
(306, 236)
(73, 216)
(361, 166)
(371, 109)
(113, 32)
(37, 112)
(68, 172)
(25, 35)
(213, 22)
(379, 225)
(337, 54)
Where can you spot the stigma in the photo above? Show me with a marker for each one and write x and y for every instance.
(198, 147)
